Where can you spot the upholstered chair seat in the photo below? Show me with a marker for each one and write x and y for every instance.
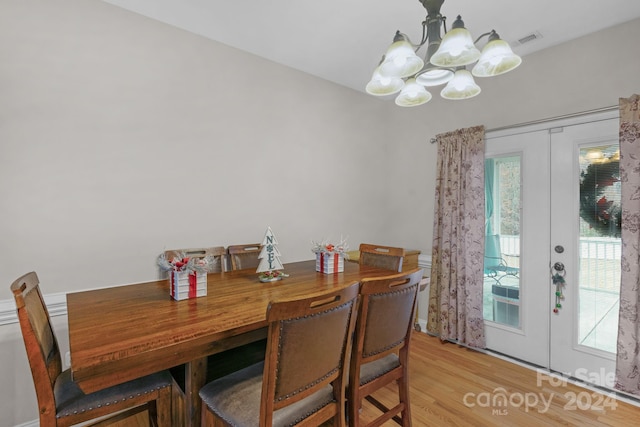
(372, 370)
(236, 400)
(71, 401)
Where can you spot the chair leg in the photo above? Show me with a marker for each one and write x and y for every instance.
(152, 412)
(339, 419)
(403, 391)
(353, 414)
(163, 407)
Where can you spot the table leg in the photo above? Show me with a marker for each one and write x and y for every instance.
(195, 378)
(192, 376)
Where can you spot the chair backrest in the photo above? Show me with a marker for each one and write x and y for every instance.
(308, 346)
(385, 316)
(216, 253)
(39, 340)
(243, 256)
(386, 257)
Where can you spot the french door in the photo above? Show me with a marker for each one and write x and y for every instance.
(552, 251)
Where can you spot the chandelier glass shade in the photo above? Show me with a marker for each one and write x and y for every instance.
(497, 58)
(461, 86)
(456, 48)
(380, 85)
(400, 59)
(445, 62)
(413, 94)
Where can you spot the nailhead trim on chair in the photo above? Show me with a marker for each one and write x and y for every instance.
(373, 353)
(308, 414)
(66, 414)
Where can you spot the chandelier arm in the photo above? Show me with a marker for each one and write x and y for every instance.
(425, 34)
(484, 35)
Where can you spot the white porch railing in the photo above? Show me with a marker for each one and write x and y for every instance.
(599, 260)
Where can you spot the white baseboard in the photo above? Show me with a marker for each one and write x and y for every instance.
(34, 423)
(423, 325)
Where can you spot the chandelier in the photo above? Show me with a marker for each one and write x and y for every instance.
(446, 60)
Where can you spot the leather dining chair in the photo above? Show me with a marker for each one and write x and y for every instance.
(380, 352)
(60, 400)
(243, 256)
(302, 379)
(216, 253)
(386, 257)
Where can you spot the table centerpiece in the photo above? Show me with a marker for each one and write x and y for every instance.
(330, 257)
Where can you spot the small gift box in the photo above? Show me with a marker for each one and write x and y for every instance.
(329, 262)
(187, 275)
(330, 257)
(187, 284)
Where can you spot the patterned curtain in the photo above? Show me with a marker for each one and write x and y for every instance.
(628, 358)
(455, 296)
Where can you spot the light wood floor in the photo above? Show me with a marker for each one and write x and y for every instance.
(455, 386)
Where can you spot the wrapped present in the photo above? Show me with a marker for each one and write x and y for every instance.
(329, 262)
(187, 284)
(330, 257)
(187, 275)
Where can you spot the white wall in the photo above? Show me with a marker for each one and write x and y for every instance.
(121, 137)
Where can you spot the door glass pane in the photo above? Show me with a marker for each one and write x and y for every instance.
(502, 241)
(599, 244)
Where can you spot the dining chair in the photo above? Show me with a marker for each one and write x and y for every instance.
(216, 253)
(386, 257)
(60, 400)
(243, 256)
(302, 379)
(380, 352)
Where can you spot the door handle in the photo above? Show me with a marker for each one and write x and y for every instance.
(557, 280)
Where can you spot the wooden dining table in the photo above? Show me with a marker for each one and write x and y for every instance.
(120, 333)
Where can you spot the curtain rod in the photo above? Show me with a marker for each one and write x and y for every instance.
(550, 119)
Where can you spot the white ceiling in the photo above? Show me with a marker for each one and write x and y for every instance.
(343, 40)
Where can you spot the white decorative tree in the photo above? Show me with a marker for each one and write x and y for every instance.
(270, 264)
